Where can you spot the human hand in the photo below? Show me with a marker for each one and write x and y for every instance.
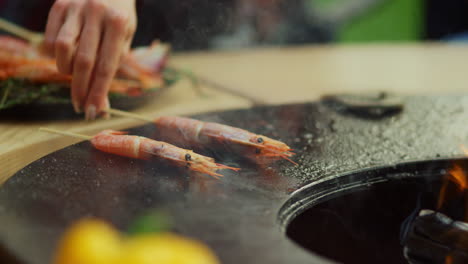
(88, 39)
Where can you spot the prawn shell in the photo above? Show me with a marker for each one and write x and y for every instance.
(180, 130)
(194, 133)
(165, 151)
(122, 145)
(118, 143)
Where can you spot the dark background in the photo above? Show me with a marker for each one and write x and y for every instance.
(190, 24)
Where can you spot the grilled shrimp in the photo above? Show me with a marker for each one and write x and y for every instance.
(195, 133)
(116, 142)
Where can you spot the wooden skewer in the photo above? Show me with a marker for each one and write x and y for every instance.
(128, 114)
(32, 37)
(197, 80)
(223, 88)
(65, 133)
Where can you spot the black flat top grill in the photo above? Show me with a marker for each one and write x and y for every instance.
(237, 216)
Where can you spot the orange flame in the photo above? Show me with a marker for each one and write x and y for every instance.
(457, 176)
(448, 259)
(460, 179)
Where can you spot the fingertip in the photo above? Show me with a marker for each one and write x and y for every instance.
(78, 96)
(97, 105)
(105, 109)
(106, 103)
(90, 113)
(77, 107)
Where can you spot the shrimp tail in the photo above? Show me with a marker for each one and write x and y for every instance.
(224, 167)
(215, 175)
(270, 151)
(212, 171)
(209, 171)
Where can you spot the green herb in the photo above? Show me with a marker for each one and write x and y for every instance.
(14, 92)
(21, 92)
(5, 95)
(152, 222)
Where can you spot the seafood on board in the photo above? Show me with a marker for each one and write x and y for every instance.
(18, 59)
(22, 64)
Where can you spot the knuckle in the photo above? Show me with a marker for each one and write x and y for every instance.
(96, 5)
(60, 5)
(84, 61)
(63, 44)
(119, 20)
(73, 5)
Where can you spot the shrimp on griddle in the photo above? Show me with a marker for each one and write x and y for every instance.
(196, 133)
(116, 142)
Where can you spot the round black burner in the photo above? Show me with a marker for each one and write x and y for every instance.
(366, 217)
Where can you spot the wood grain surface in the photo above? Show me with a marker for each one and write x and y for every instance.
(275, 75)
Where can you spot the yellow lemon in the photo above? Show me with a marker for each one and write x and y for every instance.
(165, 248)
(89, 241)
(92, 241)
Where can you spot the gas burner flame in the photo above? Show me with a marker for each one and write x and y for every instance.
(457, 176)
(448, 259)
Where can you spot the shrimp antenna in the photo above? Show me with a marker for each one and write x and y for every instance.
(65, 133)
(128, 114)
(32, 37)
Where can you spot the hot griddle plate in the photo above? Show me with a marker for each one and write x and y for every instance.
(238, 215)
